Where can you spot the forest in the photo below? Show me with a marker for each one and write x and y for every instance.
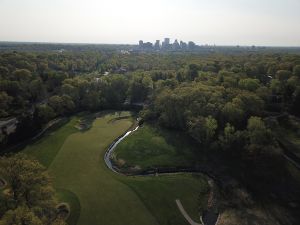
(231, 104)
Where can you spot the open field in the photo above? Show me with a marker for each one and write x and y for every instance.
(97, 195)
(151, 147)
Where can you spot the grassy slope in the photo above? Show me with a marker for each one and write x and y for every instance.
(46, 148)
(69, 197)
(79, 167)
(83, 180)
(153, 147)
(159, 195)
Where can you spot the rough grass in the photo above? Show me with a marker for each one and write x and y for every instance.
(153, 147)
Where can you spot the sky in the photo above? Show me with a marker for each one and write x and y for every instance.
(220, 22)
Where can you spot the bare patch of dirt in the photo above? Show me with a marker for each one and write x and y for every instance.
(120, 163)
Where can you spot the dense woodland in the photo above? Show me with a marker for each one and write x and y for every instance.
(200, 94)
(228, 103)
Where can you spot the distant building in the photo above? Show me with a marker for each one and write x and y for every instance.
(191, 45)
(166, 43)
(176, 45)
(145, 45)
(183, 45)
(148, 45)
(165, 46)
(141, 43)
(157, 45)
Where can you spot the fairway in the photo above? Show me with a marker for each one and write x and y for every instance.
(160, 192)
(106, 198)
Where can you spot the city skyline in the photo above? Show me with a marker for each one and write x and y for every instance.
(167, 44)
(231, 22)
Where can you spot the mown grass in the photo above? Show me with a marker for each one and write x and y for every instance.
(79, 167)
(46, 148)
(97, 195)
(159, 195)
(151, 146)
(74, 203)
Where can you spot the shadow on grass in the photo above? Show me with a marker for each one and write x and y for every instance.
(36, 139)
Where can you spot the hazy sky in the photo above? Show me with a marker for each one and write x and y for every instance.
(221, 22)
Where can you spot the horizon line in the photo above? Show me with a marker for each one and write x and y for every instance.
(128, 44)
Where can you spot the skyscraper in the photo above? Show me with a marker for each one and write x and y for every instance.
(166, 43)
(176, 45)
(157, 45)
(183, 45)
(141, 43)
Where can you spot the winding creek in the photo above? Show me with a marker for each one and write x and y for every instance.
(108, 154)
(209, 216)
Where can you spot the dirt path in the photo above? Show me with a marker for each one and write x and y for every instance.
(184, 213)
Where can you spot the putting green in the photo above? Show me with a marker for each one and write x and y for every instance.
(102, 197)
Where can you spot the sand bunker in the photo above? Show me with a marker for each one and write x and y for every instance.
(63, 210)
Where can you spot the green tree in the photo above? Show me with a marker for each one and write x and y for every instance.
(257, 131)
(22, 75)
(30, 199)
(233, 113)
(5, 101)
(61, 104)
(296, 101)
(249, 84)
(73, 92)
(3, 72)
(296, 71)
(44, 113)
(203, 129)
(231, 140)
(56, 103)
(20, 216)
(192, 71)
(283, 75)
(276, 86)
(261, 140)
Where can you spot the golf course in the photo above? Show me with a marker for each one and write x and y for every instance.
(96, 195)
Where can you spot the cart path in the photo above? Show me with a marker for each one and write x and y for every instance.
(184, 213)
